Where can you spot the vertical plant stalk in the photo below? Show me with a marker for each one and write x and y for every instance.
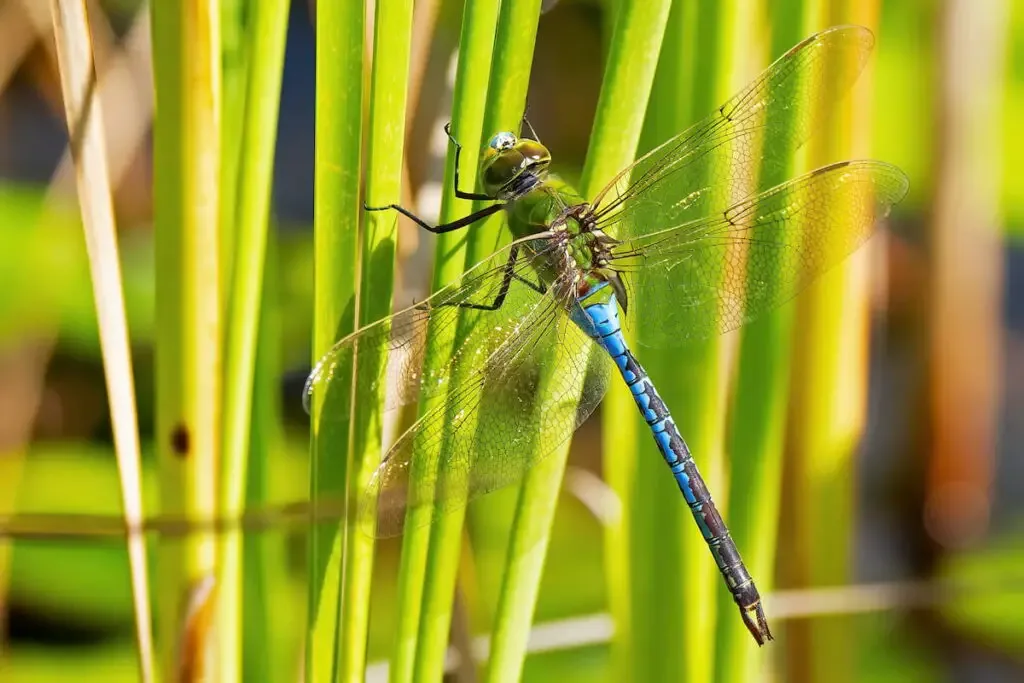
(340, 41)
(24, 23)
(515, 34)
(392, 33)
(127, 75)
(85, 131)
(514, 43)
(258, 135)
(758, 423)
(659, 532)
(829, 386)
(186, 50)
(632, 61)
(409, 658)
(235, 58)
(267, 656)
(656, 536)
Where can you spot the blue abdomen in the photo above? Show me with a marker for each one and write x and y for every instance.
(597, 313)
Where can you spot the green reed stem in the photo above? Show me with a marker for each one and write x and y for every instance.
(422, 588)
(268, 649)
(657, 537)
(392, 36)
(514, 37)
(758, 426)
(259, 134)
(337, 204)
(186, 53)
(235, 53)
(827, 409)
(506, 100)
(632, 61)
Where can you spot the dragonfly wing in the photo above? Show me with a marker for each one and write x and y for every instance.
(401, 339)
(534, 388)
(715, 162)
(714, 275)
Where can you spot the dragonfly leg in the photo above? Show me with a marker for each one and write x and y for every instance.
(444, 227)
(458, 151)
(506, 282)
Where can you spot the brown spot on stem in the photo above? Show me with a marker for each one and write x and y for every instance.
(180, 440)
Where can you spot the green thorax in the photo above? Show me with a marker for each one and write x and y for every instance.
(539, 210)
(515, 170)
(536, 210)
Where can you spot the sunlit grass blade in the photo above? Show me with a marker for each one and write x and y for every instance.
(186, 60)
(656, 536)
(829, 392)
(409, 656)
(514, 44)
(259, 133)
(761, 391)
(392, 34)
(660, 537)
(236, 30)
(512, 56)
(85, 132)
(340, 38)
(269, 642)
(632, 60)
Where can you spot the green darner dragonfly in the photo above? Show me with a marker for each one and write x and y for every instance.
(682, 227)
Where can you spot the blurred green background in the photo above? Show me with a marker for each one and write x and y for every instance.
(938, 548)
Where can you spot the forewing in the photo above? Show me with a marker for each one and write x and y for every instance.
(403, 339)
(714, 275)
(715, 162)
(525, 400)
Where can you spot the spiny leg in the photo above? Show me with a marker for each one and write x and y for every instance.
(458, 151)
(444, 227)
(456, 224)
(506, 282)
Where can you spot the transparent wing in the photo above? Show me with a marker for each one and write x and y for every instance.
(707, 167)
(714, 275)
(402, 338)
(526, 399)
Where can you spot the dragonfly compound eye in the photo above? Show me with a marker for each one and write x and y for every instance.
(508, 159)
(502, 141)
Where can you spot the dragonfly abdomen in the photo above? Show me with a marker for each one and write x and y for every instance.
(598, 315)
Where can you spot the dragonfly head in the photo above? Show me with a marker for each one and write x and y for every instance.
(512, 164)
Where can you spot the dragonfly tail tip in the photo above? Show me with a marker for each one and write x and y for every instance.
(756, 623)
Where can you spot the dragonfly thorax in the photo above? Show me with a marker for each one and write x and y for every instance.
(579, 263)
(512, 166)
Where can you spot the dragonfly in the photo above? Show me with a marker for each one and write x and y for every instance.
(683, 228)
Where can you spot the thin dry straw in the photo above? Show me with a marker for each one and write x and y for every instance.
(127, 76)
(599, 628)
(786, 604)
(85, 127)
(90, 528)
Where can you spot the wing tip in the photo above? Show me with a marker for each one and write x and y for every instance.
(899, 183)
(861, 33)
